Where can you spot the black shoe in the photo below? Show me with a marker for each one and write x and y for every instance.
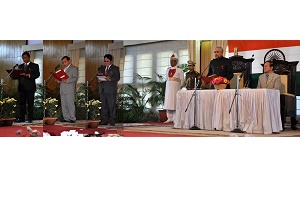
(72, 121)
(20, 120)
(29, 121)
(294, 127)
(112, 124)
(103, 123)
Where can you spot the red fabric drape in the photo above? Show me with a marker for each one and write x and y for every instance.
(245, 45)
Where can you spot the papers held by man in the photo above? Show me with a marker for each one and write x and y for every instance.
(101, 77)
(15, 73)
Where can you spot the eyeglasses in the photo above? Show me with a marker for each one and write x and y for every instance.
(190, 65)
(106, 61)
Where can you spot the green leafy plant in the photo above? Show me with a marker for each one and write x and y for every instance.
(8, 107)
(184, 67)
(133, 102)
(93, 108)
(157, 90)
(38, 112)
(51, 105)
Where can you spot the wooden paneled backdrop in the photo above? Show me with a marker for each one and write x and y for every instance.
(10, 55)
(94, 57)
(53, 51)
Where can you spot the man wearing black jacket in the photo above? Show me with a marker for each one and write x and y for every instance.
(27, 87)
(221, 66)
(108, 90)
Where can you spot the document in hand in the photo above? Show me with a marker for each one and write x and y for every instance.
(101, 77)
(207, 79)
(60, 74)
(15, 74)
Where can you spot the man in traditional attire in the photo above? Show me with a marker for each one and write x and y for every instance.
(175, 79)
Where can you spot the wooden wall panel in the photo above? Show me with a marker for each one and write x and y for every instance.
(10, 55)
(53, 51)
(94, 56)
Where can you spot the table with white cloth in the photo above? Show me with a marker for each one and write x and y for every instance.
(258, 110)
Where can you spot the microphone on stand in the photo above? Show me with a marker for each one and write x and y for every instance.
(57, 67)
(204, 70)
(242, 74)
(15, 66)
(246, 84)
(200, 78)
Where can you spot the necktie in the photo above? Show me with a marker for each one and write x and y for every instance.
(267, 77)
(25, 67)
(22, 81)
(106, 70)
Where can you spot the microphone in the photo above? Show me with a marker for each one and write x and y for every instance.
(247, 84)
(241, 75)
(204, 70)
(57, 67)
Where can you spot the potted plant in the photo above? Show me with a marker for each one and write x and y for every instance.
(50, 105)
(157, 90)
(8, 110)
(133, 103)
(93, 109)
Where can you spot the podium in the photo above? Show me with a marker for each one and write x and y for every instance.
(241, 65)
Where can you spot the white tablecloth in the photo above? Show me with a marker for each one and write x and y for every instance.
(259, 110)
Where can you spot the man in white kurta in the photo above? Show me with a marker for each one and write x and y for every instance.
(175, 79)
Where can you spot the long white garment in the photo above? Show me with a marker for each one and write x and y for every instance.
(172, 87)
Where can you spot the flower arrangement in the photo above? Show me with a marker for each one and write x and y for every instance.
(8, 107)
(219, 80)
(93, 108)
(51, 105)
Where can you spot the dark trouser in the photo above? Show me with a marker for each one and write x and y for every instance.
(26, 97)
(294, 121)
(108, 107)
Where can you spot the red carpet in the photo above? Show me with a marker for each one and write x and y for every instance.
(18, 131)
(55, 130)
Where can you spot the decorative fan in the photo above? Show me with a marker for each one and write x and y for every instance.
(274, 54)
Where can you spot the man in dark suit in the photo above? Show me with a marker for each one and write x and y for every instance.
(68, 90)
(108, 90)
(221, 66)
(27, 87)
